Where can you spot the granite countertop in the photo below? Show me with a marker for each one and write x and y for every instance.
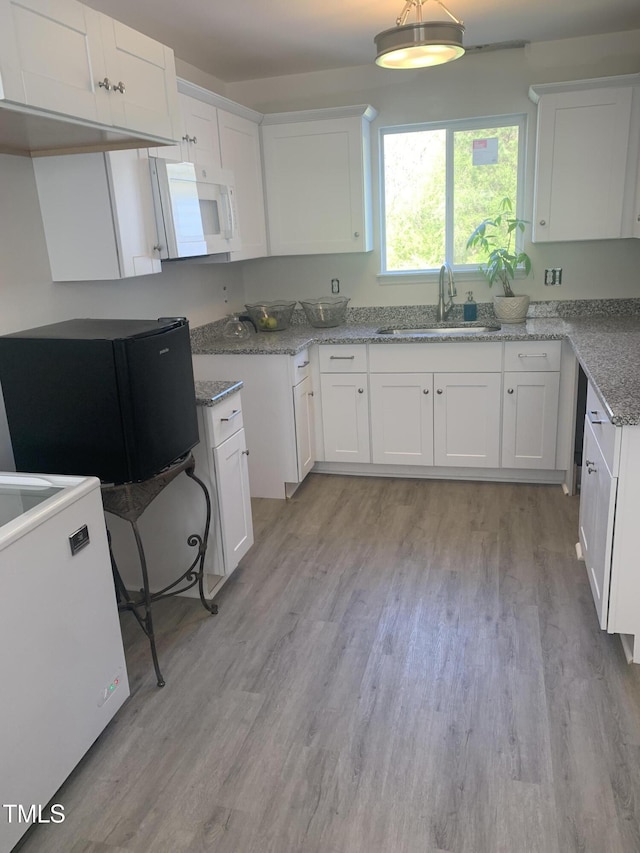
(213, 392)
(607, 345)
(608, 348)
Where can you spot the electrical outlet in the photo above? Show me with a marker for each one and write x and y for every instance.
(335, 285)
(553, 276)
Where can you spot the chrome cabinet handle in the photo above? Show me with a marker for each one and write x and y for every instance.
(356, 233)
(360, 390)
(532, 355)
(119, 88)
(305, 364)
(509, 390)
(439, 391)
(310, 394)
(186, 138)
(234, 414)
(105, 84)
(543, 222)
(341, 357)
(593, 417)
(591, 466)
(425, 390)
(245, 452)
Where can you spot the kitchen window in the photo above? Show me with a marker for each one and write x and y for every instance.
(438, 182)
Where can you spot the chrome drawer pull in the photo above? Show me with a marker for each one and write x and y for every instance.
(304, 364)
(234, 414)
(593, 417)
(342, 357)
(532, 355)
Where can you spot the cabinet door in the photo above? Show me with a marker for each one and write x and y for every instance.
(240, 152)
(597, 507)
(305, 426)
(52, 58)
(530, 420)
(201, 129)
(316, 194)
(467, 419)
(97, 213)
(144, 96)
(402, 418)
(232, 483)
(345, 417)
(581, 161)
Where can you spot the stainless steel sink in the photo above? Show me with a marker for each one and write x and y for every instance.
(428, 331)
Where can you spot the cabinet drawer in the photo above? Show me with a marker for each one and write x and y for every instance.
(532, 355)
(443, 356)
(300, 366)
(605, 433)
(224, 419)
(343, 358)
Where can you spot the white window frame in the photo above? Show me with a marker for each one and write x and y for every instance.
(480, 123)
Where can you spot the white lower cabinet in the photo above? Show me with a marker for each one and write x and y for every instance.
(402, 418)
(280, 438)
(530, 400)
(597, 507)
(530, 420)
(234, 502)
(305, 426)
(476, 405)
(466, 421)
(345, 417)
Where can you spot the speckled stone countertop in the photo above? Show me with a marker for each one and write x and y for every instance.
(604, 334)
(211, 393)
(608, 348)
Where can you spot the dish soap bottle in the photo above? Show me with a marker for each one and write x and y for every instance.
(470, 308)
(235, 329)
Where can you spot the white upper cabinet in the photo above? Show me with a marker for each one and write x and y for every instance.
(143, 95)
(318, 181)
(219, 133)
(240, 152)
(586, 159)
(52, 58)
(97, 213)
(61, 60)
(198, 132)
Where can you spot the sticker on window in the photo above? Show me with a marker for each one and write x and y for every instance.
(485, 151)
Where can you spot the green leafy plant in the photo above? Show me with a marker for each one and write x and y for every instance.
(496, 238)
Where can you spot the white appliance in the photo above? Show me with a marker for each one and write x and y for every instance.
(195, 209)
(61, 657)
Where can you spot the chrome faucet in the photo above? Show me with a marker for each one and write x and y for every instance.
(443, 310)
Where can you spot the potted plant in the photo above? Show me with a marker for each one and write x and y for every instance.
(496, 238)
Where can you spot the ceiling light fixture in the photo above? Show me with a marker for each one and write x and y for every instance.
(421, 44)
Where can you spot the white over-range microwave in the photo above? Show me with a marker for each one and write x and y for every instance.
(195, 209)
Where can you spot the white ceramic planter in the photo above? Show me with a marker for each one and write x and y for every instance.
(511, 309)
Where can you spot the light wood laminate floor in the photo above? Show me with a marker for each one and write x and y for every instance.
(398, 666)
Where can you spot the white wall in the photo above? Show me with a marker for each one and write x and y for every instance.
(492, 83)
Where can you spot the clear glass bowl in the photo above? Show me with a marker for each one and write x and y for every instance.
(271, 316)
(326, 311)
(234, 329)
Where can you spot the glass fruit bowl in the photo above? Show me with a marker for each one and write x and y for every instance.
(271, 316)
(326, 311)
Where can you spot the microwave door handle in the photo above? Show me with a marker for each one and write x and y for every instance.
(228, 214)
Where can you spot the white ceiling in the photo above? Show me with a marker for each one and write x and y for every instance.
(250, 39)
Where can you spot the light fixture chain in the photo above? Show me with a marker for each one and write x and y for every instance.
(401, 20)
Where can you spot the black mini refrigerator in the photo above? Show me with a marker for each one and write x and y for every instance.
(110, 398)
